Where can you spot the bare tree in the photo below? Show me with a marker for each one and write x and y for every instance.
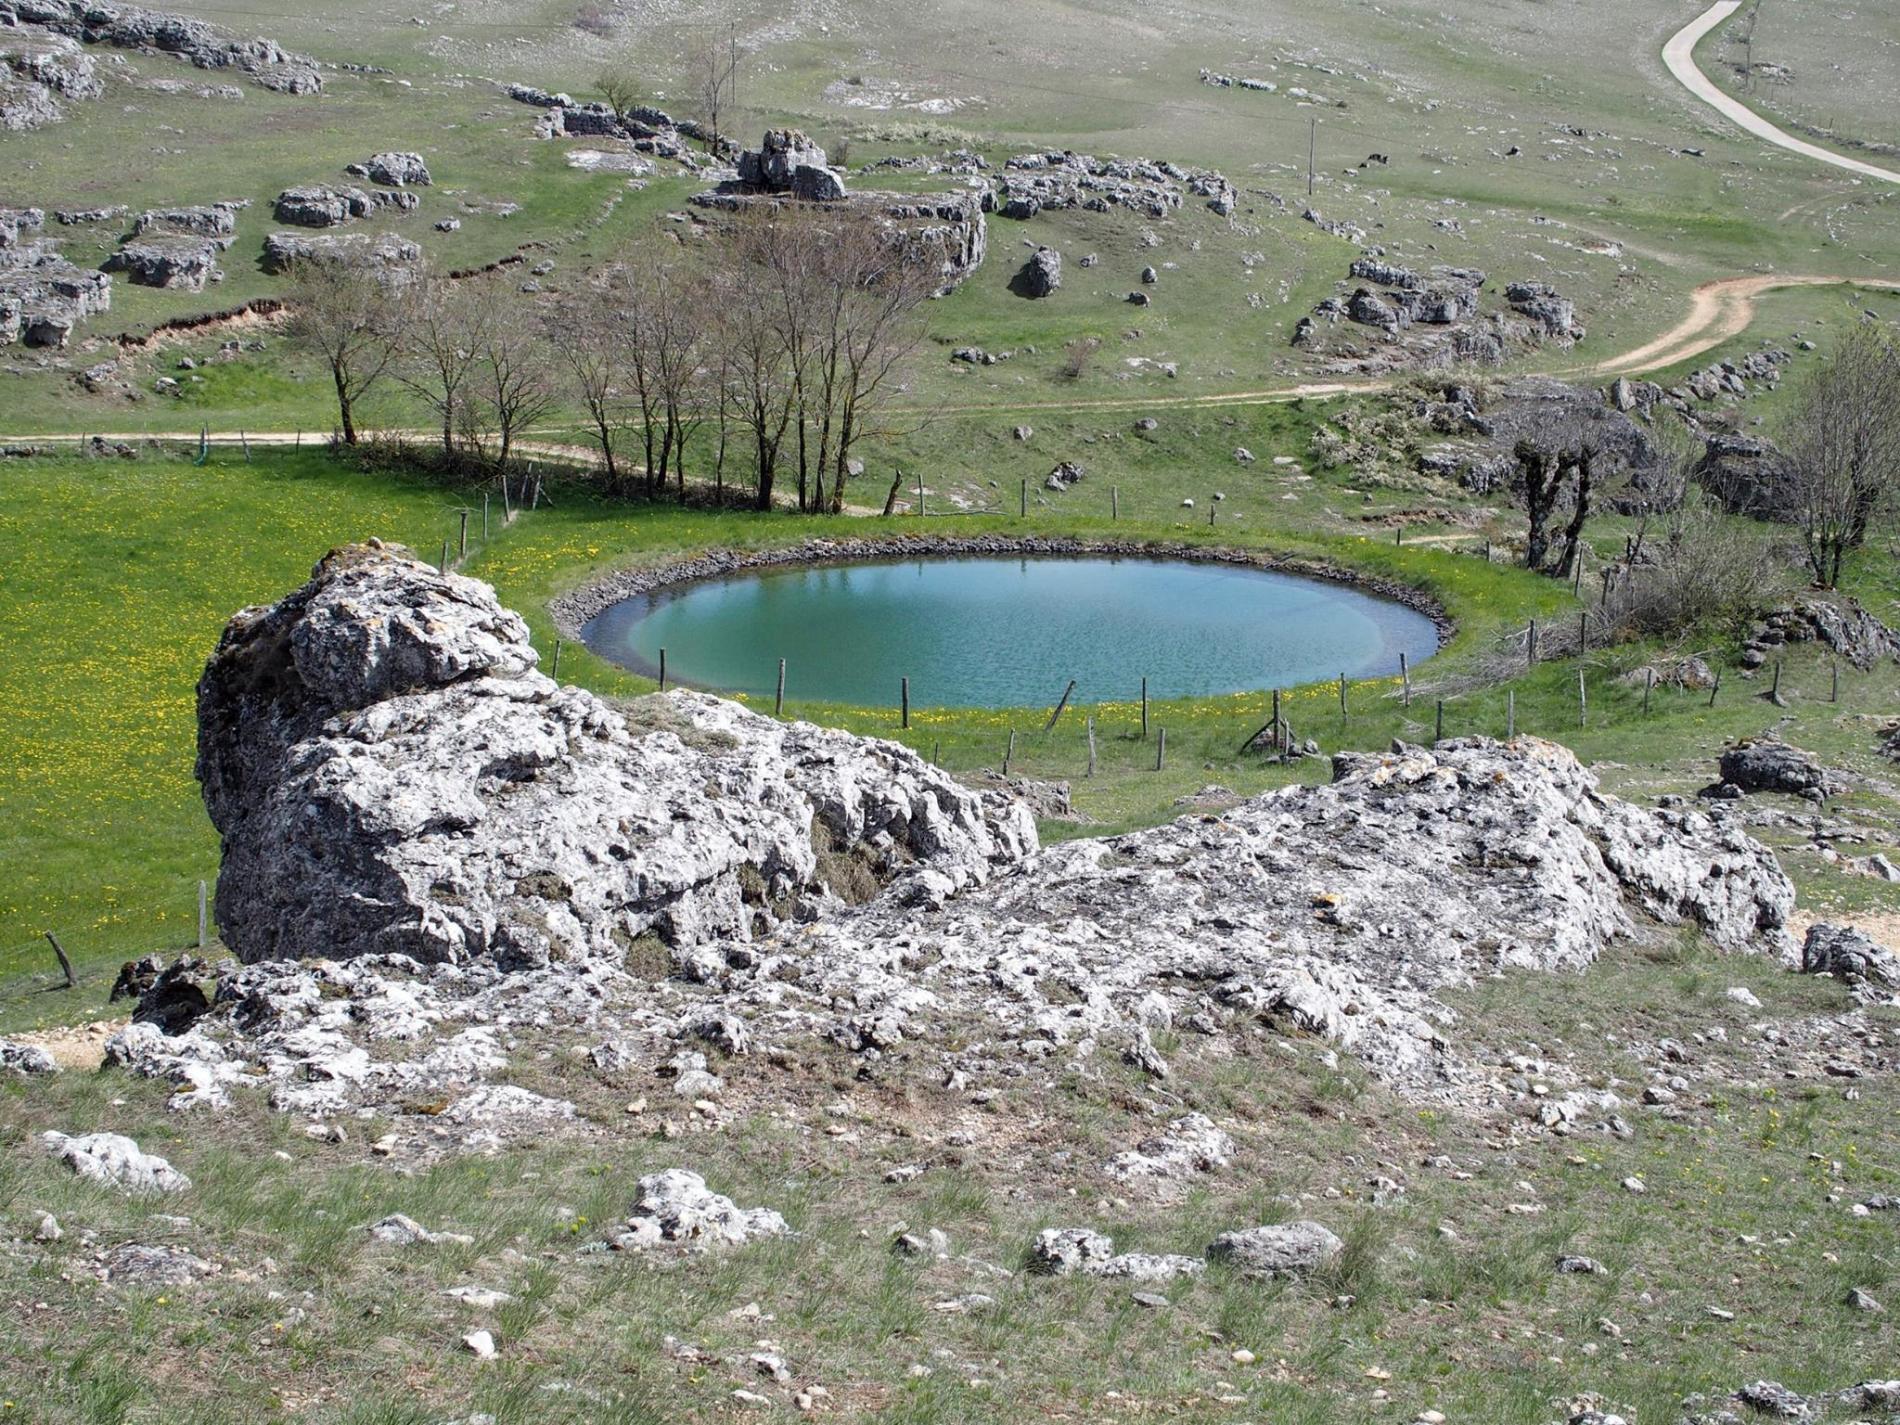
(714, 68)
(445, 327)
(591, 350)
(343, 312)
(511, 383)
(758, 358)
(1843, 444)
(884, 282)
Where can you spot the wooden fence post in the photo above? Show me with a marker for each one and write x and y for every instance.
(1279, 740)
(778, 698)
(1114, 502)
(1161, 748)
(72, 980)
(484, 517)
(555, 672)
(922, 508)
(1022, 504)
(1583, 702)
(1091, 725)
(906, 702)
(462, 553)
(663, 670)
(1715, 688)
(1050, 725)
(1009, 752)
(1342, 696)
(445, 556)
(1405, 678)
(1144, 709)
(245, 441)
(1530, 645)
(1439, 734)
(1834, 689)
(1649, 686)
(1510, 714)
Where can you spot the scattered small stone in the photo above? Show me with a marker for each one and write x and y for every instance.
(401, 1231)
(480, 1343)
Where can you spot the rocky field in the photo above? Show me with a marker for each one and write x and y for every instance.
(408, 1017)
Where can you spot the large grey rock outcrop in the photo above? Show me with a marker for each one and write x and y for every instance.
(390, 774)
(37, 71)
(96, 22)
(1335, 911)
(1749, 475)
(775, 165)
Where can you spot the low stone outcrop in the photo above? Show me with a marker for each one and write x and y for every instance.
(391, 774)
(1765, 765)
(214, 221)
(318, 205)
(1031, 183)
(43, 297)
(391, 255)
(26, 1059)
(1292, 1249)
(1852, 956)
(677, 1208)
(114, 1161)
(1079, 1251)
(393, 170)
(184, 264)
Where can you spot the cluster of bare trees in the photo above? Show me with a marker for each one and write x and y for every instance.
(1843, 446)
(771, 349)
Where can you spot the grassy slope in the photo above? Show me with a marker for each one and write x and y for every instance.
(1445, 1299)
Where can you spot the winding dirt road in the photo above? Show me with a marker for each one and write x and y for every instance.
(1679, 56)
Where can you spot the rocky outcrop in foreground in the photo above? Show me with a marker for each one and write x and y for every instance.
(204, 46)
(435, 854)
(392, 776)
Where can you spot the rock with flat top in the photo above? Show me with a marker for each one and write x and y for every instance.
(1292, 1249)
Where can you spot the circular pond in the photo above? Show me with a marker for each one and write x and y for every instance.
(1009, 631)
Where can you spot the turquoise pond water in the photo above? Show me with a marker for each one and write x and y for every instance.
(1010, 631)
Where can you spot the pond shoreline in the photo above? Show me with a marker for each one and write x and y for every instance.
(573, 610)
